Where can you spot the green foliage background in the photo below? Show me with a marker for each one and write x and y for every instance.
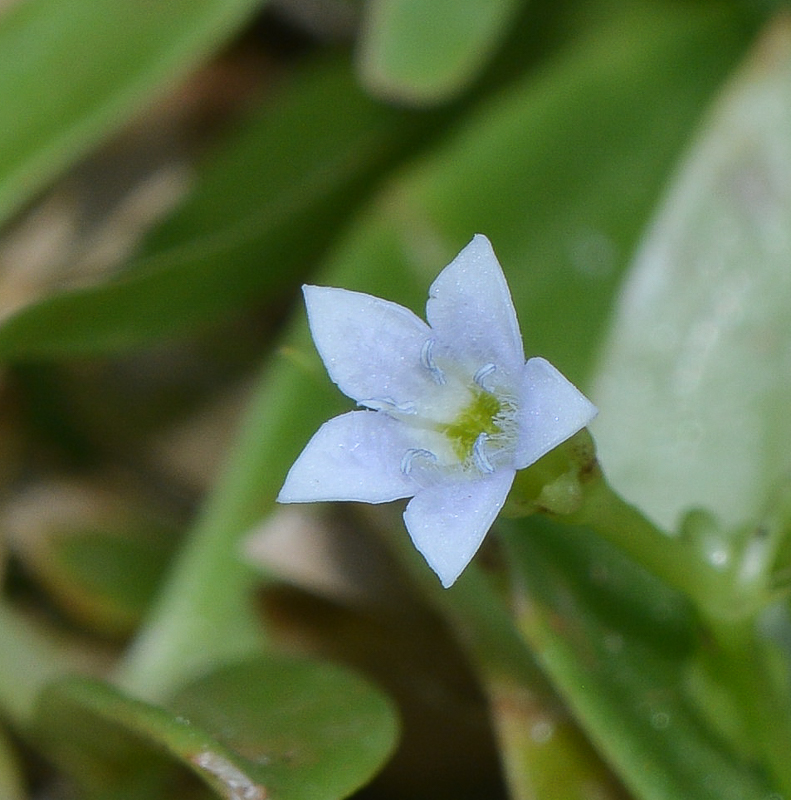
(170, 174)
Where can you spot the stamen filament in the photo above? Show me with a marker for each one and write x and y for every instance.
(479, 455)
(482, 374)
(411, 454)
(427, 360)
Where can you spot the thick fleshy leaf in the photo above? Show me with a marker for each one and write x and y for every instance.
(424, 51)
(356, 456)
(274, 727)
(471, 311)
(551, 410)
(128, 53)
(448, 521)
(694, 390)
(371, 347)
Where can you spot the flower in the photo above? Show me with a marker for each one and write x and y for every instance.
(451, 409)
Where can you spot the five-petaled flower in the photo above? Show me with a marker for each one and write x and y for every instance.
(451, 409)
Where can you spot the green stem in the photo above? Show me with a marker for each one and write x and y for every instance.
(611, 517)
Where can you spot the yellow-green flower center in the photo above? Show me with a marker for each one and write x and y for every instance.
(480, 416)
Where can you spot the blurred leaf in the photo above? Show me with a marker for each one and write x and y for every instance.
(274, 728)
(315, 730)
(107, 580)
(618, 645)
(75, 70)
(264, 206)
(696, 367)
(425, 51)
(98, 548)
(10, 773)
(30, 659)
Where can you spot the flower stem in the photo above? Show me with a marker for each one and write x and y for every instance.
(568, 484)
(606, 513)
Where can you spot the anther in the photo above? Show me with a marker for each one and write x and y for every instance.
(427, 360)
(479, 455)
(482, 374)
(411, 454)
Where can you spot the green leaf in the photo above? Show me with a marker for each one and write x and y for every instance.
(318, 731)
(106, 580)
(426, 51)
(693, 391)
(270, 728)
(264, 207)
(30, 659)
(618, 646)
(75, 70)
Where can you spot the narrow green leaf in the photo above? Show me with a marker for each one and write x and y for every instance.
(694, 391)
(264, 206)
(270, 728)
(74, 70)
(426, 51)
(619, 646)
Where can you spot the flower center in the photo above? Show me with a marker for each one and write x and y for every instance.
(462, 422)
(479, 418)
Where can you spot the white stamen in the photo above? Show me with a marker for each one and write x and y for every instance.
(482, 374)
(388, 404)
(479, 455)
(411, 454)
(427, 360)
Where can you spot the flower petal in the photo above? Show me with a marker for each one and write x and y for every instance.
(447, 521)
(471, 311)
(551, 409)
(371, 347)
(356, 456)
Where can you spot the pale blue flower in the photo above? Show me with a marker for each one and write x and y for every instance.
(452, 410)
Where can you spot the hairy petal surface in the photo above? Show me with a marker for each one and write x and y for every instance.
(356, 456)
(471, 311)
(551, 409)
(371, 347)
(448, 521)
